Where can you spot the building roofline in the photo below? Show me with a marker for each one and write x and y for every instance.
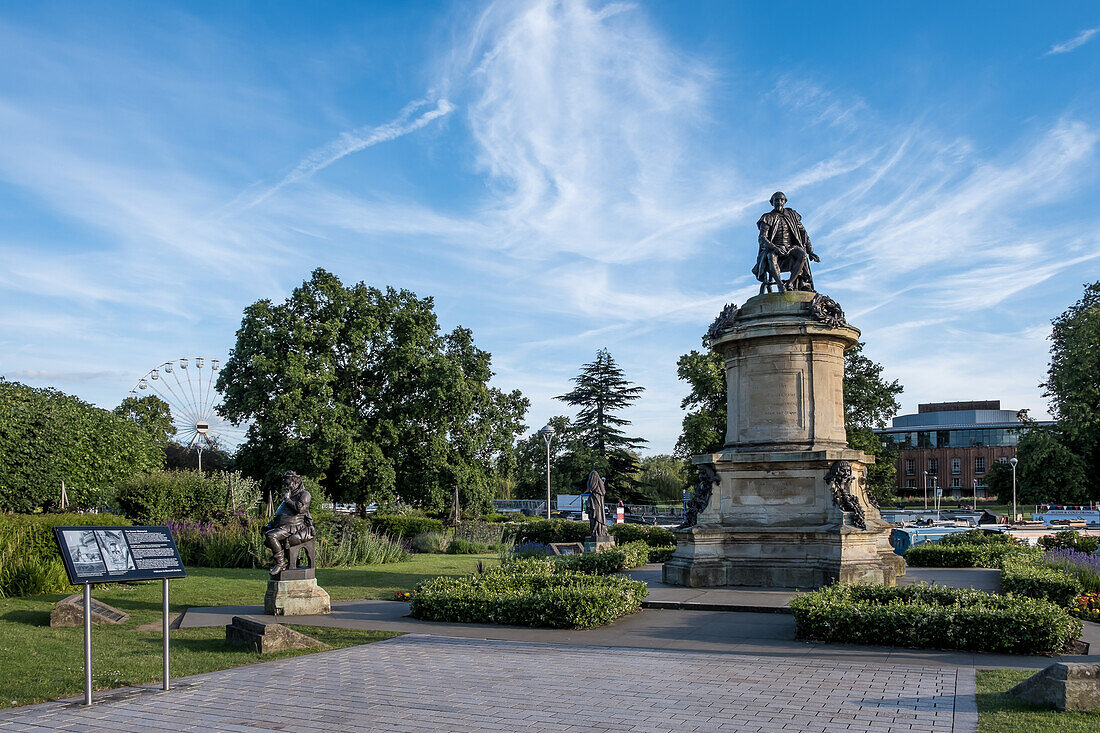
(963, 426)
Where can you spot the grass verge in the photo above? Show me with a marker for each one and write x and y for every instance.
(39, 663)
(999, 712)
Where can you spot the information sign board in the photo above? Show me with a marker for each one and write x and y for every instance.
(113, 554)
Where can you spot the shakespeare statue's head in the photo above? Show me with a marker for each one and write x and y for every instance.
(778, 199)
(292, 481)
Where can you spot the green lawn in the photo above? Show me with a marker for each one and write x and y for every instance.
(38, 662)
(998, 712)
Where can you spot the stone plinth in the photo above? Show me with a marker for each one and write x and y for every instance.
(295, 598)
(773, 518)
(69, 611)
(598, 546)
(267, 638)
(1065, 686)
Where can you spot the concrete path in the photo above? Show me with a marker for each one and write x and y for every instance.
(421, 683)
(769, 634)
(777, 600)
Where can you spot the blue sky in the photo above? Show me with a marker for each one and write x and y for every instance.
(560, 176)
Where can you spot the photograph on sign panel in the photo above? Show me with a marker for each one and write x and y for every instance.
(116, 550)
(84, 551)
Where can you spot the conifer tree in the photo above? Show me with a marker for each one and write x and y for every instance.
(601, 391)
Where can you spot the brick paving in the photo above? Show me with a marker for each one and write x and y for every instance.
(419, 683)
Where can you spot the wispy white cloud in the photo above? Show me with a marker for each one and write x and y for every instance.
(354, 141)
(39, 375)
(1076, 42)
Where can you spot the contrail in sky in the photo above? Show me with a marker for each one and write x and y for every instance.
(356, 140)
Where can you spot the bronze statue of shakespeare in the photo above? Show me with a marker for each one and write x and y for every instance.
(292, 524)
(784, 247)
(597, 522)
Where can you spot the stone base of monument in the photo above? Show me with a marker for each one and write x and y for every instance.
(594, 546)
(298, 597)
(786, 500)
(267, 638)
(775, 526)
(1065, 686)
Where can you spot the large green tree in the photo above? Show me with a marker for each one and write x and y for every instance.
(357, 387)
(49, 437)
(151, 414)
(703, 429)
(662, 479)
(869, 401)
(601, 391)
(1049, 471)
(1073, 386)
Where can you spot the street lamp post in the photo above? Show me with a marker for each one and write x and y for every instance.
(936, 491)
(975, 494)
(1013, 462)
(926, 491)
(547, 433)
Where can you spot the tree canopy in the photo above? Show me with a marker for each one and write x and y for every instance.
(703, 429)
(151, 414)
(1073, 386)
(50, 437)
(358, 388)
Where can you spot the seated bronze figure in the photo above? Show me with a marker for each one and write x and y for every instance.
(784, 247)
(292, 524)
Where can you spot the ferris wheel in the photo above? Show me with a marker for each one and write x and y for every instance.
(187, 386)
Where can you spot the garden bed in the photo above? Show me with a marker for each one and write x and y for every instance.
(529, 593)
(933, 617)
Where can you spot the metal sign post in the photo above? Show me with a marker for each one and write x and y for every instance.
(94, 554)
(167, 679)
(87, 644)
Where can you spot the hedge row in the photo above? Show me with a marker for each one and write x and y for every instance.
(532, 593)
(30, 563)
(934, 617)
(615, 560)
(404, 525)
(1025, 576)
(35, 531)
(939, 555)
(546, 531)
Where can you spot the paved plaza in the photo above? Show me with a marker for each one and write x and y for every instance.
(421, 683)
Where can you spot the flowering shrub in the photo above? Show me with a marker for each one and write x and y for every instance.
(531, 549)
(1087, 607)
(404, 595)
(206, 544)
(924, 616)
(1085, 566)
(339, 542)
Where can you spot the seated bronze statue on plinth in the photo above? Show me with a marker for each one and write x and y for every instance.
(784, 247)
(292, 525)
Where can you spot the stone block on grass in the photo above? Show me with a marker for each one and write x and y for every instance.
(1065, 686)
(69, 611)
(267, 638)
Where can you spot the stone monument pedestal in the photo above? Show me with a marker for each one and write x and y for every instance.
(777, 516)
(295, 593)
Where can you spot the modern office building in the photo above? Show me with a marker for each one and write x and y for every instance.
(955, 443)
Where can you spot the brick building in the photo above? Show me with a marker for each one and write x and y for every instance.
(955, 443)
